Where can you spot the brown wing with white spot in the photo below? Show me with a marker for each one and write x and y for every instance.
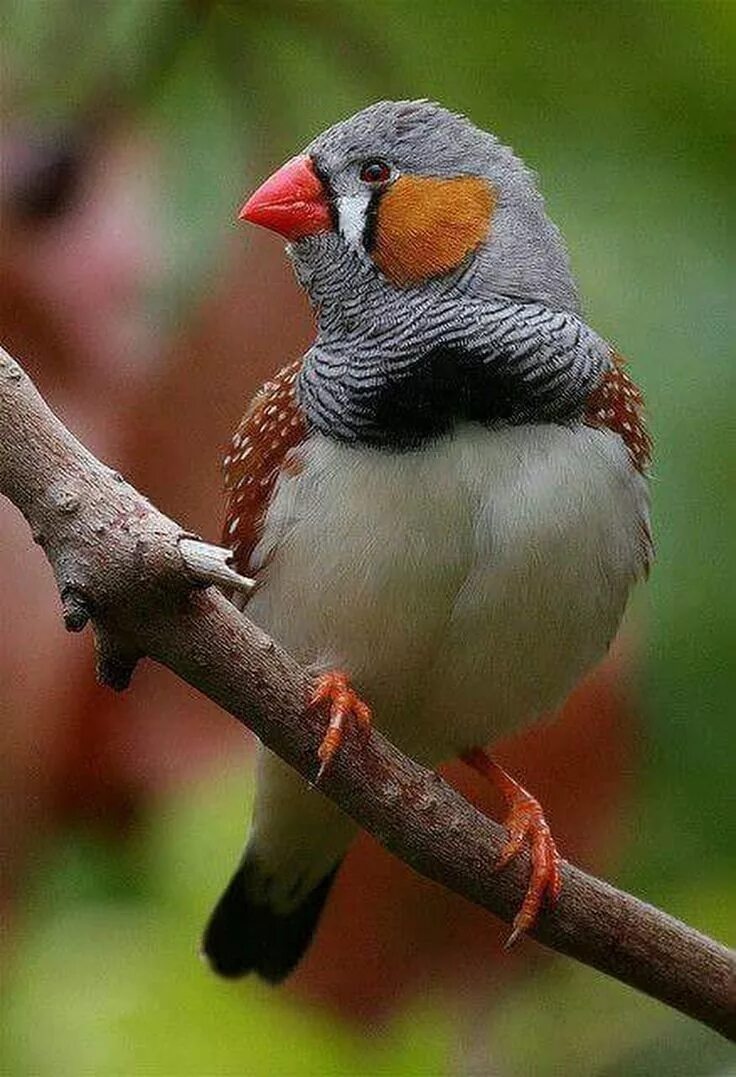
(262, 446)
(616, 404)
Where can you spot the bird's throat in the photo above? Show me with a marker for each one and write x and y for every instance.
(397, 382)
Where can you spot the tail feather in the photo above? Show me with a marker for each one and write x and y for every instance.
(245, 935)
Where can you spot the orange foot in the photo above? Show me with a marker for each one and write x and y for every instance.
(525, 821)
(334, 692)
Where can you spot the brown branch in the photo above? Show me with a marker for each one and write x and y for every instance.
(119, 563)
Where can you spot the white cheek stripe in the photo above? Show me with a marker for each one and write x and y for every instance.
(351, 211)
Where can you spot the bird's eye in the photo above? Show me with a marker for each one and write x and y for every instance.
(375, 171)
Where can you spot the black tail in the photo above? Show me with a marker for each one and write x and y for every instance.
(244, 935)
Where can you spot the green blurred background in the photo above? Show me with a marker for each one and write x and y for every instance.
(626, 111)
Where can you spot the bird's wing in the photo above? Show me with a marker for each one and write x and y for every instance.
(616, 404)
(261, 448)
(265, 918)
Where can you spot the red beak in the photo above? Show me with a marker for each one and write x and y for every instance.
(291, 202)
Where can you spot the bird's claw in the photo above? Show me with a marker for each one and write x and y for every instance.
(334, 693)
(526, 822)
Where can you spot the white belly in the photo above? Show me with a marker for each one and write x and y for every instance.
(465, 587)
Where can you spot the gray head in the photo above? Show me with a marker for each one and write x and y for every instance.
(406, 196)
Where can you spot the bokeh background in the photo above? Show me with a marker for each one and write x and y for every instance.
(130, 131)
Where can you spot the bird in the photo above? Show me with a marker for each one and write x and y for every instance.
(444, 502)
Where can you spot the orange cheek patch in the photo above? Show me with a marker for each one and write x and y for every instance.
(426, 225)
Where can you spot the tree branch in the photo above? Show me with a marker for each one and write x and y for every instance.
(141, 581)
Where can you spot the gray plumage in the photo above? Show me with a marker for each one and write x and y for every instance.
(525, 257)
(508, 314)
(454, 536)
(522, 362)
